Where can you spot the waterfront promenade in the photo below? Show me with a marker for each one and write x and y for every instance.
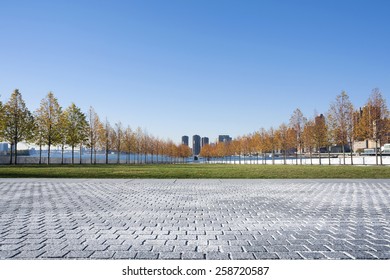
(194, 219)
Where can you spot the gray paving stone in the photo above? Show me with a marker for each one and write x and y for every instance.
(198, 219)
(207, 248)
(362, 255)
(242, 256)
(276, 248)
(10, 247)
(254, 249)
(327, 247)
(169, 256)
(312, 255)
(32, 247)
(336, 256)
(229, 249)
(294, 248)
(383, 255)
(118, 247)
(193, 255)
(265, 256)
(54, 254)
(29, 254)
(141, 248)
(8, 254)
(102, 255)
(124, 255)
(146, 255)
(96, 247)
(155, 242)
(288, 255)
(176, 243)
(186, 248)
(217, 256)
(161, 248)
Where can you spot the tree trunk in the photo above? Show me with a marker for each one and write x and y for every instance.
(16, 153)
(40, 154)
(11, 153)
(91, 152)
(48, 154)
(62, 153)
(319, 154)
(72, 154)
(344, 153)
(81, 148)
(376, 151)
(351, 154)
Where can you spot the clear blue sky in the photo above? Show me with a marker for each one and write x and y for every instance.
(195, 67)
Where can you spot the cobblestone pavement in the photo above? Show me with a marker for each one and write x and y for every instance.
(194, 219)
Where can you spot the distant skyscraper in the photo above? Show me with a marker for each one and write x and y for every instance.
(196, 145)
(224, 138)
(184, 140)
(205, 141)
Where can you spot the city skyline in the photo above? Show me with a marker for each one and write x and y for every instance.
(175, 65)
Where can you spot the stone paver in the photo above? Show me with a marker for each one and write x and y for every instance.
(194, 219)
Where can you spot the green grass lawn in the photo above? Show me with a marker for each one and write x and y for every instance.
(194, 171)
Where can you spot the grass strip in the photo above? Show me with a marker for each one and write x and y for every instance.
(196, 171)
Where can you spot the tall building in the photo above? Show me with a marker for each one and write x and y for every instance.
(205, 141)
(184, 140)
(3, 148)
(224, 138)
(196, 145)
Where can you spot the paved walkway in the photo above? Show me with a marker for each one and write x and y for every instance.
(194, 219)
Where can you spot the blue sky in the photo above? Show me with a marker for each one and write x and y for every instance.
(195, 67)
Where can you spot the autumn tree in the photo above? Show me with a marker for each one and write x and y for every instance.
(205, 152)
(264, 144)
(116, 139)
(256, 144)
(128, 143)
(94, 125)
(184, 151)
(47, 118)
(308, 139)
(379, 118)
(297, 122)
(18, 122)
(237, 148)
(63, 132)
(340, 118)
(283, 136)
(38, 138)
(77, 127)
(319, 134)
(272, 142)
(1, 120)
(105, 139)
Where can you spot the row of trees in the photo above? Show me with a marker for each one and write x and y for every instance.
(341, 126)
(51, 125)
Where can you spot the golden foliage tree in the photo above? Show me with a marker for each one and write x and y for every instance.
(18, 122)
